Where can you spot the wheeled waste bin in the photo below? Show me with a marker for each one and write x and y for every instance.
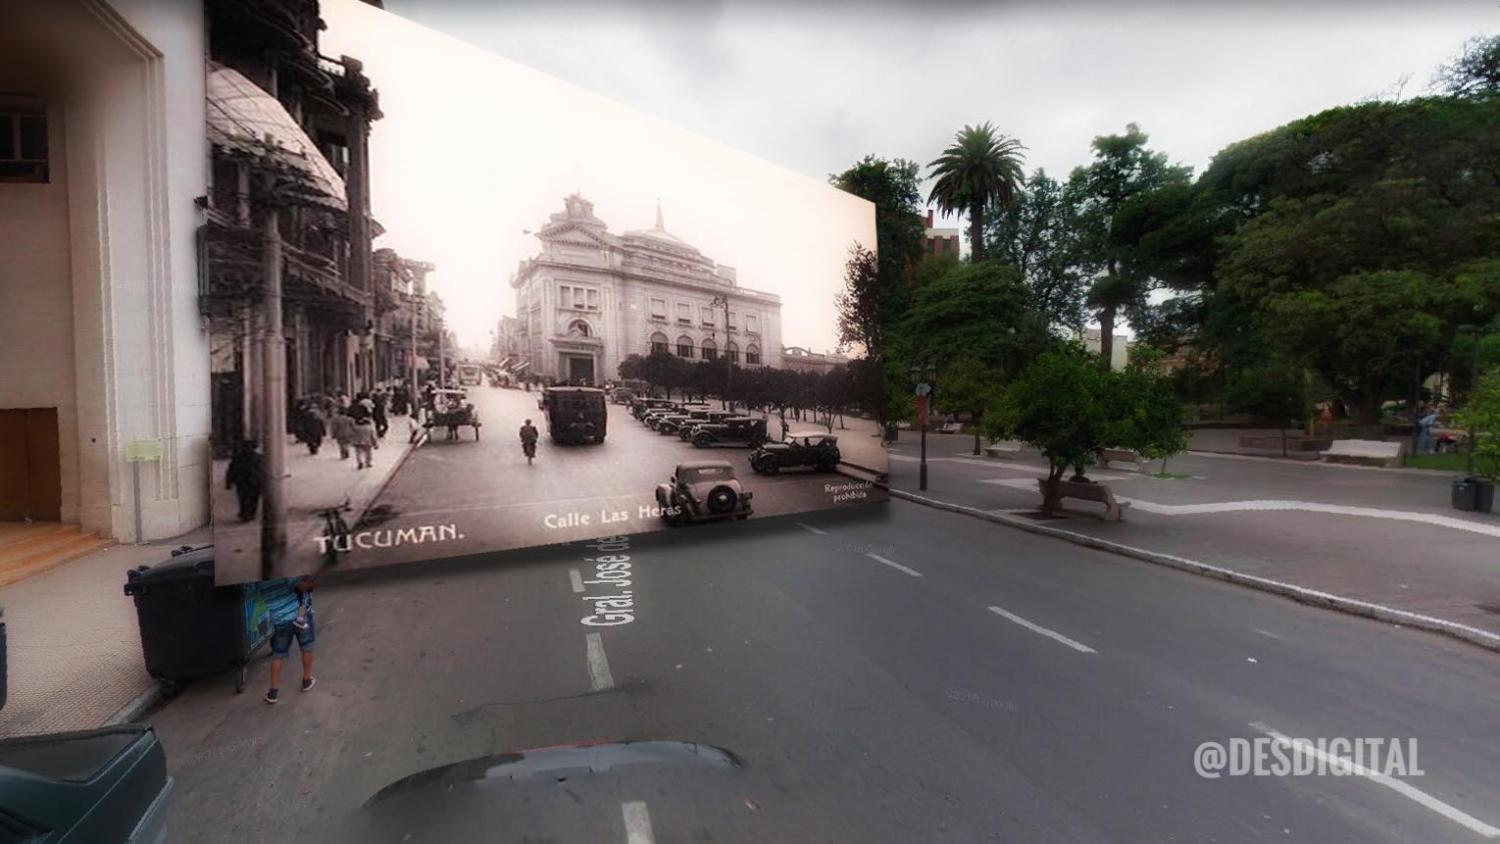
(190, 627)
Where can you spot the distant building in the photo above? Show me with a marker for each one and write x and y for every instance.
(590, 298)
(940, 241)
(1119, 354)
(798, 359)
(400, 298)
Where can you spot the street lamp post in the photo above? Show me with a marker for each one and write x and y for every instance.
(919, 372)
(723, 302)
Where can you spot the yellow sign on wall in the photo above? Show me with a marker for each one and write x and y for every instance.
(143, 451)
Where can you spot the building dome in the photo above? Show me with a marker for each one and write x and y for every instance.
(659, 234)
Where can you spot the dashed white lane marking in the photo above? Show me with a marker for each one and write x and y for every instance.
(599, 676)
(808, 527)
(893, 564)
(1037, 628)
(576, 579)
(637, 823)
(1417, 795)
(1273, 505)
(1268, 634)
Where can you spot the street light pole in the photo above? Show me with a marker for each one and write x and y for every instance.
(728, 361)
(273, 387)
(924, 393)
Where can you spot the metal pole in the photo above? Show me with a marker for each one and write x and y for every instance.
(273, 505)
(1474, 388)
(411, 386)
(135, 483)
(442, 365)
(922, 421)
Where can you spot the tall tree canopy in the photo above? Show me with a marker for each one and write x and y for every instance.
(979, 169)
(1037, 235)
(1123, 169)
(892, 185)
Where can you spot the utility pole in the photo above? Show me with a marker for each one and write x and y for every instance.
(273, 388)
(728, 361)
(411, 386)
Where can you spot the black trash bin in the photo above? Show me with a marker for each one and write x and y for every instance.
(189, 627)
(1474, 494)
(892, 431)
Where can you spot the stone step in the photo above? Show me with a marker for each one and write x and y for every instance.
(17, 564)
(18, 536)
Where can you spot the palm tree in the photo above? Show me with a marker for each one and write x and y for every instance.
(982, 167)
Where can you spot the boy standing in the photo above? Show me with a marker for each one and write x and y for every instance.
(289, 603)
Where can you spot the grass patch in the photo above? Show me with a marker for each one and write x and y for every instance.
(1445, 462)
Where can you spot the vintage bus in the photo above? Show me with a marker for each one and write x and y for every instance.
(469, 374)
(575, 414)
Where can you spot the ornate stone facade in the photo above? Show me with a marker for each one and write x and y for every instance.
(591, 298)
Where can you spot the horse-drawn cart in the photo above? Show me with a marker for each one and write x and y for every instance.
(449, 410)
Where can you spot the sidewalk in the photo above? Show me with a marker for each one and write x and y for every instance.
(75, 648)
(313, 483)
(1359, 536)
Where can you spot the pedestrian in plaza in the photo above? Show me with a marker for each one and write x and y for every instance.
(289, 604)
(378, 402)
(341, 427)
(365, 442)
(343, 400)
(1425, 423)
(529, 436)
(245, 476)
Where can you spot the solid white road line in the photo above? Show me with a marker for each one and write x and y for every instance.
(637, 823)
(1456, 815)
(599, 676)
(1037, 628)
(893, 564)
(811, 528)
(576, 579)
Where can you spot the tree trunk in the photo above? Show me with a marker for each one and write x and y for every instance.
(977, 450)
(976, 232)
(1107, 336)
(1052, 497)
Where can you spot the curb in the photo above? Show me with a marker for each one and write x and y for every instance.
(380, 490)
(1301, 594)
(136, 707)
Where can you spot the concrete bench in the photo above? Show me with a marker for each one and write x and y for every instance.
(1366, 452)
(1121, 455)
(1113, 510)
(1003, 448)
(951, 428)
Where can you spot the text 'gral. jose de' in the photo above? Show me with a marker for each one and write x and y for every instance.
(611, 573)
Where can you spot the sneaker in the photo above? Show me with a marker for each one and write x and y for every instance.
(308, 682)
(271, 696)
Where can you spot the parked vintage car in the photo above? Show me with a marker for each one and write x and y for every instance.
(734, 430)
(703, 490)
(814, 449)
(702, 417)
(671, 423)
(450, 410)
(649, 417)
(643, 405)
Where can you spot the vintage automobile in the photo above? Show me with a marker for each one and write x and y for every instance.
(701, 417)
(703, 490)
(575, 414)
(814, 449)
(641, 406)
(450, 410)
(655, 415)
(671, 423)
(734, 430)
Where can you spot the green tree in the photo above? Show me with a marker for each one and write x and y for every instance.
(893, 186)
(1481, 414)
(979, 169)
(1475, 72)
(975, 311)
(968, 384)
(1123, 169)
(1036, 234)
(1275, 389)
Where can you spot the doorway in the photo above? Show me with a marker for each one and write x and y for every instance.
(30, 465)
(581, 370)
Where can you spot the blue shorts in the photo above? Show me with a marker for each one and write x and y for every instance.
(281, 637)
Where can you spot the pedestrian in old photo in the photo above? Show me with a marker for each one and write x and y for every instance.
(309, 427)
(289, 604)
(529, 436)
(341, 428)
(364, 442)
(245, 476)
(378, 405)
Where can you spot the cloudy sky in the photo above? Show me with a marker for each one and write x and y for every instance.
(814, 85)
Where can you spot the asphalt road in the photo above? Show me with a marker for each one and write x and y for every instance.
(493, 500)
(852, 665)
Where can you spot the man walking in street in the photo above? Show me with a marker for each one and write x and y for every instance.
(529, 435)
(341, 427)
(245, 476)
(289, 604)
(364, 442)
(379, 403)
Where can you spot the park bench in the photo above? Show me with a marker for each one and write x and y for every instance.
(1003, 448)
(951, 428)
(1367, 452)
(1088, 491)
(1121, 455)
